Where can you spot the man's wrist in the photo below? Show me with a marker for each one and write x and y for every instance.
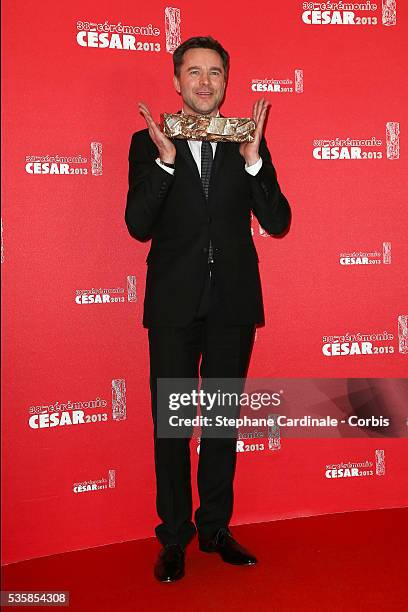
(253, 169)
(252, 161)
(167, 159)
(164, 167)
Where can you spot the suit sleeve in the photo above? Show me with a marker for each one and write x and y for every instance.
(269, 205)
(148, 187)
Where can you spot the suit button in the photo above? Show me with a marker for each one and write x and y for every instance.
(205, 249)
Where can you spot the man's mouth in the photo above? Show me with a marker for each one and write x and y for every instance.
(204, 94)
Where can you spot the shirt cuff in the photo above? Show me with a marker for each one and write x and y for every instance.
(166, 168)
(254, 168)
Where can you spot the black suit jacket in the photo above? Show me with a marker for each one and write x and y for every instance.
(172, 211)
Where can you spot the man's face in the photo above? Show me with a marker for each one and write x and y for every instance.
(201, 82)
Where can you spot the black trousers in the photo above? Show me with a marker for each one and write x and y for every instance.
(175, 352)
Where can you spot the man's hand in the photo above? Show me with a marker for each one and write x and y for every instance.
(167, 150)
(250, 150)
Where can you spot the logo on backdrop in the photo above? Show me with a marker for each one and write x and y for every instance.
(172, 23)
(350, 13)
(288, 85)
(358, 469)
(353, 148)
(403, 334)
(67, 164)
(361, 258)
(96, 485)
(373, 343)
(256, 441)
(114, 295)
(126, 37)
(60, 414)
(118, 399)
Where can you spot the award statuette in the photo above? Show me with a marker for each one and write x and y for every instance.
(204, 127)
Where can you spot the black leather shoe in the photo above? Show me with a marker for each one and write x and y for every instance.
(229, 549)
(170, 563)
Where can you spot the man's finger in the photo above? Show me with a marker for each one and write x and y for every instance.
(264, 105)
(261, 107)
(148, 117)
(142, 104)
(146, 114)
(263, 111)
(261, 121)
(145, 111)
(256, 110)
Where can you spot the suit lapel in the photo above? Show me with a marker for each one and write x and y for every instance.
(184, 150)
(218, 159)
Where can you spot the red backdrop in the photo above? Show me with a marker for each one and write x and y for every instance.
(74, 279)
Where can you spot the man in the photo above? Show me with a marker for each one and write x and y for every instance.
(203, 298)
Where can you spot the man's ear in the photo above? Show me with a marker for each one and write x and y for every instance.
(176, 84)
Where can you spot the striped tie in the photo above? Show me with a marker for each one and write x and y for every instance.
(206, 164)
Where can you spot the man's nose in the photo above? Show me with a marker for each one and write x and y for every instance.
(205, 79)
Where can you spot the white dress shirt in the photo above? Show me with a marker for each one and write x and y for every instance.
(195, 148)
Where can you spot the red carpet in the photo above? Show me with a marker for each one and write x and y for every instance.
(351, 561)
